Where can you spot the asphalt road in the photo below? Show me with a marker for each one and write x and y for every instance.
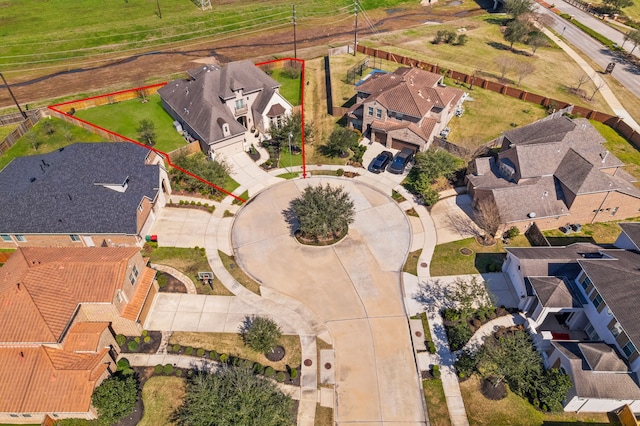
(627, 74)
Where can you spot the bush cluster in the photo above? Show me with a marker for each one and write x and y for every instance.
(450, 37)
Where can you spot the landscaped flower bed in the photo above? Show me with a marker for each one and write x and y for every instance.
(193, 205)
(148, 342)
(459, 330)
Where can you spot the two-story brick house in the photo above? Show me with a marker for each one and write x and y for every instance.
(85, 194)
(404, 109)
(223, 107)
(554, 172)
(580, 307)
(61, 308)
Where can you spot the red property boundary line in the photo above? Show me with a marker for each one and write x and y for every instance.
(166, 155)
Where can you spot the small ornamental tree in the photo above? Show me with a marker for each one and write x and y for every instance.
(323, 212)
(147, 132)
(260, 334)
(115, 398)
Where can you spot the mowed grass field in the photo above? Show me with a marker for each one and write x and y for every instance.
(124, 118)
(37, 34)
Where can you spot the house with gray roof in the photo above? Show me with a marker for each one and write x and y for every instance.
(580, 305)
(224, 107)
(85, 194)
(404, 109)
(554, 172)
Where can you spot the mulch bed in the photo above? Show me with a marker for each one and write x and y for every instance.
(494, 393)
(319, 242)
(276, 354)
(144, 348)
(173, 284)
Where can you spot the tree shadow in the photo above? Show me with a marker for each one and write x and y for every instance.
(489, 262)
(292, 220)
(499, 46)
(349, 102)
(432, 295)
(565, 241)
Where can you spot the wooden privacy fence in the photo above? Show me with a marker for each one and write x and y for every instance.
(612, 121)
(111, 98)
(32, 118)
(16, 117)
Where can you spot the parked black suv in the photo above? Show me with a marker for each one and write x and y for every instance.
(400, 161)
(380, 162)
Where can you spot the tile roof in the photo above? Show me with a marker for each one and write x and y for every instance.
(40, 379)
(199, 101)
(84, 336)
(133, 308)
(615, 383)
(617, 279)
(62, 193)
(40, 288)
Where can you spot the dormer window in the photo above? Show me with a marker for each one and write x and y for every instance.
(239, 104)
(225, 129)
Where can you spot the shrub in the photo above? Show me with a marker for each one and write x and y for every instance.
(121, 339)
(198, 204)
(213, 355)
(269, 371)
(181, 202)
(458, 335)
(158, 369)
(261, 334)
(115, 398)
(193, 203)
(137, 339)
(176, 348)
(476, 323)
(339, 172)
(224, 358)
(200, 352)
(167, 369)
(133, 346)
(431, 347)
(281, 376)
(451, 314)
(258, 368)
(236, 361)
(513, 232)
(188, 351)
(122, 364)
(436, 374)
(293, 373)
(146, 339)
(144, 333)
(178, 373)
(435, 367)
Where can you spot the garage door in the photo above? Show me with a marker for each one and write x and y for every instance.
(398, 144)
(380, 137)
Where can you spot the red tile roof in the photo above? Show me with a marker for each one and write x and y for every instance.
(133, 308)
(84, 336)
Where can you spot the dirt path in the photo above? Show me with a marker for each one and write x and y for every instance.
(157, 65)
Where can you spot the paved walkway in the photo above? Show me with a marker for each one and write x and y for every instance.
(191, 287)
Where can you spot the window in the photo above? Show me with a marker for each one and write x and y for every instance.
(135, 271)
(6, 238)
(379, 113)
(75, 238)
(26, 415)
(20, 238)
(239, 103)
(591, 332)
(120, 296)
(399, 115)
(585, 282)
(614, 211)
(597, 301)
(132, 279)
(615, 329)
(370, 110)
(13, 415)
(629, 349)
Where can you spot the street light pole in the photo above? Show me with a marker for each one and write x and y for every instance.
(24, 115)
(290, 154)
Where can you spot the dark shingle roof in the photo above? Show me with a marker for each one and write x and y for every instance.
(633, 231)
(554, 292)
(538, 196)
(617, 279)
(60, 192)
(614, 383)
(552, 261)
(541, 131)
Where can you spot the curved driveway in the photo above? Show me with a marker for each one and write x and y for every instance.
(353, 286)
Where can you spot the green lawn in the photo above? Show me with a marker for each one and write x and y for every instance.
(124, 117)
(514, 410)
(161, 397)
(289, 160)
(290, 88)
(5, 130)
(436, 403)
(597, 233)
(411, 265)
(189, 261)
(621, 148)
(447, 259)
(63, 134)
(289, 175)
(237, 273)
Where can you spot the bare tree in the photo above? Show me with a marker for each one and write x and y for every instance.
(536, 40)
(468, 295)
(34, 140)
(487, 216)
(524, 68)
(67, 134)
(596, 88)
(505, 64)
(582, 80)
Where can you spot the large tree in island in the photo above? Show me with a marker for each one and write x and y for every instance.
(323, 212)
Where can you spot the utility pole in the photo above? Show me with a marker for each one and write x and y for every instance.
(295, 44)
(24, 115)
(355, 32)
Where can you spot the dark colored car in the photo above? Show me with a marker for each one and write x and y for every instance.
(380, 162)
(400, 161)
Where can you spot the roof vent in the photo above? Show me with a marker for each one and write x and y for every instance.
(32, 180)
(531, 215)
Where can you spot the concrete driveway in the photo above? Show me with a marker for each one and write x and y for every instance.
(353, 286)
(181, 227)
(452, 218)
